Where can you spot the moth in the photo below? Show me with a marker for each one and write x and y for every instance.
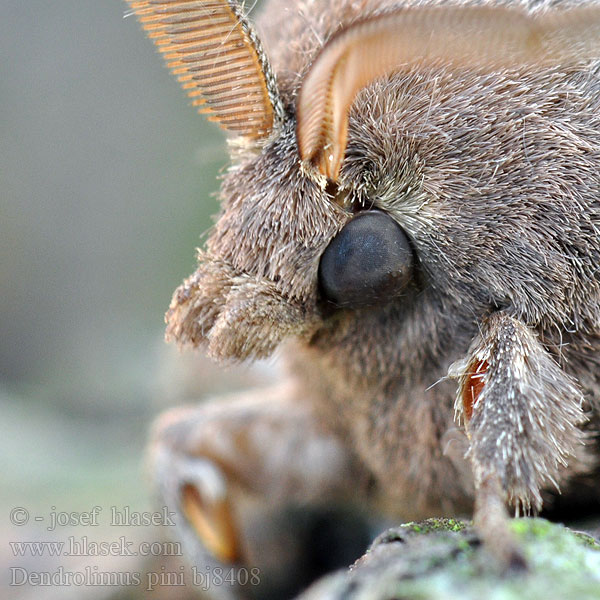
(411, 218)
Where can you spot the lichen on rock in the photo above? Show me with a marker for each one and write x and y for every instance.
(443, 559)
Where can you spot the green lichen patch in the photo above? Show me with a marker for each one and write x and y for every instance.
(587, 539)
(432, 525)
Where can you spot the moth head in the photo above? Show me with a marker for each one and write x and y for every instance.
(328, 170)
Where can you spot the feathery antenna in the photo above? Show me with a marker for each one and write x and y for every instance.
(461, 36)
(218, 59)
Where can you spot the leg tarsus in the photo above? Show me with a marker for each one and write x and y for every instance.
(492, 522)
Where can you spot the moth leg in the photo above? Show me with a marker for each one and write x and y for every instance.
(229, 468)
(522, 414)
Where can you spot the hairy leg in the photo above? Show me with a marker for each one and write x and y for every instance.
(522, 415)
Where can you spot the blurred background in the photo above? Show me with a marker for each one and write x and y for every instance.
(107, 175)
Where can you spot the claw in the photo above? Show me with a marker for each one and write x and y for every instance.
(213, 522)
(197, 489)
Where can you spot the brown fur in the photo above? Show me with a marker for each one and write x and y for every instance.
(495, 178)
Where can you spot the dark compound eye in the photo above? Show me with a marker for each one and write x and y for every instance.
(369, 262)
